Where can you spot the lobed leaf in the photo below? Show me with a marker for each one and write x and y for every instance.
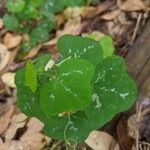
(79, 47)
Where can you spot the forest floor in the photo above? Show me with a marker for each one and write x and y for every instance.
(124, 21)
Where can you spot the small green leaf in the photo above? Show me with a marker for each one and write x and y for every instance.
(79, 47)
(107, 45)
(31, 76)
(39, 35)
(52, 6)
(15, 6)
(11, 22)
(74, 3)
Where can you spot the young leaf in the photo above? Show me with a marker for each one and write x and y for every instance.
(15, 6)
(79, 47)
(11, 22)
(107, 45)
(39, 35)
(31, 76)
(69, 88)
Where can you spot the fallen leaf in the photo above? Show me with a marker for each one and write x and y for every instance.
(12, 145)
(5, 119)
(125, 141)
(1, 24)
(12, 41)
(32, 139)
(131, 5)
(1, 141)
(99, 140)
(11, 131)
(144, 125)
(8, 78)
(133, 126)
(89, 12)
(4, 56)
(35, 125)
(111, 15)
(18, 121)
(32, 53)
(18, 118)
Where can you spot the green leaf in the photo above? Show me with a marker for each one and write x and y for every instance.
(11, 22)
(107, 45)
(15, 6)
(26, 47)
(63, 93)
(31, 76)
(47, 25)
(39, 35)
(26, 99)
(79, 47)
(30, 11)
(52, 6)
(74, 3)
(75, 97)
(113, 91)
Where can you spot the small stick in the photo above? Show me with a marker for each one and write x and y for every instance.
(136, 27)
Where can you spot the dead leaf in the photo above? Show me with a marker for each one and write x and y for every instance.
(11, 131)
(90, 12)
(4, 56)
(35, 125)
(99, 140)
(32, 139)
(6, 118)
(133, 126)
(123, 138)
(1, 24)
(131, 5)
(12, 41)
(18, 121)
(111, 15)
(1, 141)
(33, 52)
(8, 78)
(18, 118)
(12, 145)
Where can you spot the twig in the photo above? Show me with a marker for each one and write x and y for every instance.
(136, 27)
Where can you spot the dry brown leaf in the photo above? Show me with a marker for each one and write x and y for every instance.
(131, 5)
(32, 139)
(18, 121)
(18, 118)
(1, 24)
(4, 56)
(90, 12)
(99, 140)
(12, 145)
(33, 52)
(8, 78)
(5, 119)
(1, 141)
(12, 41)
(11, 131)
(124, 140)
(111, 15)
(133, 126)
(35, 125)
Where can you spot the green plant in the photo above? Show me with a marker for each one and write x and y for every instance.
(35, 17)
(80, 93)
